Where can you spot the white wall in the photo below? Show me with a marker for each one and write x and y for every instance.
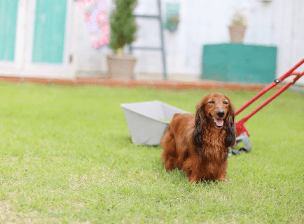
(279, 23)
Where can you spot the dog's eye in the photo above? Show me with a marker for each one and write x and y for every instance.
(225, 102)
(212, 102)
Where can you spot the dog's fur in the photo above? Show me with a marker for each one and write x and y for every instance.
(196, 144)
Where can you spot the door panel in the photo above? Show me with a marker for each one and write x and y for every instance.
(8, 21)
(49, 34)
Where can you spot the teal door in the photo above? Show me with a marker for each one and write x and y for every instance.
(8, 22)
(49, 34)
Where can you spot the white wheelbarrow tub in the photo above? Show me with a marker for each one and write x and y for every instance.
(148, 121)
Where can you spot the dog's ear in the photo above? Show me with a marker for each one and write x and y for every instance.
(198, 133)
(230, 128)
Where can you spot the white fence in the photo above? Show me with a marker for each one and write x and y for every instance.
(279, 23)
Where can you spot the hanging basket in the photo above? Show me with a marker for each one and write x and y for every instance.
(237, 32)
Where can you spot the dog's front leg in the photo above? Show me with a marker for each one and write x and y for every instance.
(222, 172)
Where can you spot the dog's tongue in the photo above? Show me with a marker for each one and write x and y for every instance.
(219, 123)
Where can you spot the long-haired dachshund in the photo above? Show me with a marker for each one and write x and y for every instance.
(199, 143)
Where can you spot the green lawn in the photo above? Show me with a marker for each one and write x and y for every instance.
(67, 157)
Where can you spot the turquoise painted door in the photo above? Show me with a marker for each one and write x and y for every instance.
(8, 22)
(49, 35)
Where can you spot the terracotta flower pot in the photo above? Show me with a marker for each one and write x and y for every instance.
(121, 66)
(237, 32)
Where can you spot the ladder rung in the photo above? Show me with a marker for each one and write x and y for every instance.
(147, 48)
(148, 16)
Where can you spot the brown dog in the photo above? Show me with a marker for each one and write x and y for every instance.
(199, 144)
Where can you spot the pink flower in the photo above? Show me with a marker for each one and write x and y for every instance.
(101, 42)
(87, 17)
(105, 29)
(101, 17)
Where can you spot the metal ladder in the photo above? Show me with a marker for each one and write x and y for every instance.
(162, 48)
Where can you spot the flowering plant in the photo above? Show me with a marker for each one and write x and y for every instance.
(239, 19)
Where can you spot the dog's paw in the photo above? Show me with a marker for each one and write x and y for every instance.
(223, 179)
(194, 179)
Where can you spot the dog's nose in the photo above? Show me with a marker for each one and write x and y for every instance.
(220, 113)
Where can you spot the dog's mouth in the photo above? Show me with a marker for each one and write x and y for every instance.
(217, 122)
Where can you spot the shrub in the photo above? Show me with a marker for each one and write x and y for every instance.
(122, 24)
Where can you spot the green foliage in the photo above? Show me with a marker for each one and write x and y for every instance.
(122, 23)
(66, 156)
(239, 18)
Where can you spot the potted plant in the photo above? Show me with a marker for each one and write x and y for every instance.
(238, 27)
(123, 29)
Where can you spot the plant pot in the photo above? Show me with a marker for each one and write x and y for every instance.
(237, 32)
(121, 66)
